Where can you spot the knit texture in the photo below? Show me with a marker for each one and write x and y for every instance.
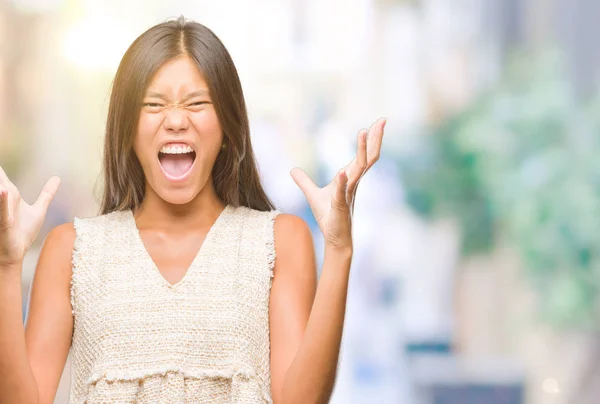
(139, 339)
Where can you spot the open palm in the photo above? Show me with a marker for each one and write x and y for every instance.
(20, 222)
(333, 204)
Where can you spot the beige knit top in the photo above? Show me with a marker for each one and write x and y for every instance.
(139, 339)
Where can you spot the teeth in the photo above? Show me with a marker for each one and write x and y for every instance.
(176, 149)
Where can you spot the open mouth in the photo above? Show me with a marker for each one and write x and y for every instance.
(176, 162)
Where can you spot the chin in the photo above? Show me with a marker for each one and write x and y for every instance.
(180, 196)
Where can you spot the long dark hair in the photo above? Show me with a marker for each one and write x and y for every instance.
(235, 174)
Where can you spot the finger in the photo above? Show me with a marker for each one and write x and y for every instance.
(349, 200)
(351, 195)
(361, 156)
(3, 207)
(360, 165)
(47, 194)
(341, 181)
(350, 166)
(374, 141)
(307, 186)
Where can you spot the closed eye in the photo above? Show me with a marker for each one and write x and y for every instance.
(152, 104)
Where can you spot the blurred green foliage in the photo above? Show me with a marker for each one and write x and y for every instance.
(523, 164)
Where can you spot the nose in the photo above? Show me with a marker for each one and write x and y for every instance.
(176, 120)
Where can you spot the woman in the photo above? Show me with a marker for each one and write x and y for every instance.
(189, 286)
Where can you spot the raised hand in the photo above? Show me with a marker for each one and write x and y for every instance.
(19, 221)
(333, 205)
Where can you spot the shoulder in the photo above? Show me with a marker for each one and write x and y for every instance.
(99, 220)
(289, 234)
(286, 228)
(290, 229)
(86, 227)
(293, 243)
(56, 251)
(61, 236)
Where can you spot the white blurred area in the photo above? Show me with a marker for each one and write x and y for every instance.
(314, 73)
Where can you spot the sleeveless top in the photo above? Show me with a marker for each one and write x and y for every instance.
(205, 339)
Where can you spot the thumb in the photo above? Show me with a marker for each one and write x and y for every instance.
(47, 194)
(341, 182)
(303, 181)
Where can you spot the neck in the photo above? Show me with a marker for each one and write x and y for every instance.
(200, 212)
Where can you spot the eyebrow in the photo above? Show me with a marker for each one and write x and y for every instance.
(198, 93)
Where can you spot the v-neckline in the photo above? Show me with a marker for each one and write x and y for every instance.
(147, 258)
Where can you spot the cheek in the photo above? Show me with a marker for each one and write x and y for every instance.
(146, 131)
(148, 125)
(142, 146)
(208, 128)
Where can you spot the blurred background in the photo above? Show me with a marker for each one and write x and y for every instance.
(476, 276)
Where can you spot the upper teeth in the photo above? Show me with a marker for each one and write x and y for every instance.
(176, 149)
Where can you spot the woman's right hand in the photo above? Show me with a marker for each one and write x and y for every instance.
(20, 222)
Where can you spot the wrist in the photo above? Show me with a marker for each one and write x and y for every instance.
(341, 252)
(11, 270)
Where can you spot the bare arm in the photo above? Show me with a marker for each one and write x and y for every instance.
(306, 326)
(32, 359)
(50, 321)
(292, 295)
(17, 384)
(314, 345)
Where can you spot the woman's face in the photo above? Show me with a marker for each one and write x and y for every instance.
(178, 135)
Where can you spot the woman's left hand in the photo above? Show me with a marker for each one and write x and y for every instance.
(333, 205)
